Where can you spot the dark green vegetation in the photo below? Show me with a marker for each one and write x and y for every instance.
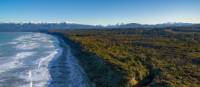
(138, 57)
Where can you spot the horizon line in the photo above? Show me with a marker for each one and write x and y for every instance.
(119, 23)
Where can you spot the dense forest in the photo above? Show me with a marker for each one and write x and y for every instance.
(167, 57)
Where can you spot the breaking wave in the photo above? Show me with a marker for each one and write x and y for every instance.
(25, 58)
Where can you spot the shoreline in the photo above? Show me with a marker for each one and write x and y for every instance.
(65, 69)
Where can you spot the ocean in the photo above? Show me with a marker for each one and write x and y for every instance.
(25, 58)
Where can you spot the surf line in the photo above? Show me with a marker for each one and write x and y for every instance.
(30, 78)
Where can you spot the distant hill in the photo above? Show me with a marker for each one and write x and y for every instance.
(164, 25)
(130, 25)
(42, 26)
(47, 26)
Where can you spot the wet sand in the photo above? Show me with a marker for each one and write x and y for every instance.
(65, 70)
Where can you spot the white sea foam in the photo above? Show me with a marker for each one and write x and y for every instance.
(27, 42)
(27, 46)
(32, 41)
(40, 73)
(23, 55)
(34, 52)
(15, 61)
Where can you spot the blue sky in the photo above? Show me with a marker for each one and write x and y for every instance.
(100, 11)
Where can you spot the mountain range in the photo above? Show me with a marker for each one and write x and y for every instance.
(47, 26)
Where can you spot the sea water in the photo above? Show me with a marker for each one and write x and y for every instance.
(25, 57)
